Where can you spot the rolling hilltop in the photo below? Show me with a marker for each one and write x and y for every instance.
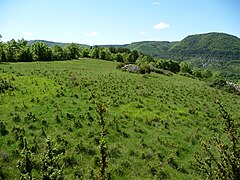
(217, 51)
(214, 45)
(207, 46)
(153, 48)
(218, 46)
(51, 43)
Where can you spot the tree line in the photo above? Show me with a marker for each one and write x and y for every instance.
(21, 51)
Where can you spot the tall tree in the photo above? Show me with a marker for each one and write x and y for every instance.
(57, 52)
(72, 51)
(119, 57)
(41, 51)
(184, 67)
(94, 52)
(11, 49)
(135, 55)
(24, 51)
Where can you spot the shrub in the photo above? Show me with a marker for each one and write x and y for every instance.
(3, 130)
(145, 68)
(51, 168)
(120, 65)
(25, 165)
(224, 163)
(5, 84)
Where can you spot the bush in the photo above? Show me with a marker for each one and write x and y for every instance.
(5, 84)
(145, 68)
(120, 65)
(218, 83)
(224, 162)
(3, 130)
(222, 84)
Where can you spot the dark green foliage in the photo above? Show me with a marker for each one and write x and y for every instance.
(218, 83)
(184, 68)
(120, 65)
(118, 57)
(57, 52)
(5, 84)
(230, 70)
(224, 85)
(3, 130)
(18, 51)
(225, 164)
(72, 51)
(3, 176)
(103, 149)
(94, 52)
(168, 65)
(197, 72)
(41, 52)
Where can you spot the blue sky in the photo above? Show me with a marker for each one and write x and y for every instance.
(116, 21)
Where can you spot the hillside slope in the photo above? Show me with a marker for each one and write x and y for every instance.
(213, 46)
(51, 43)
(157, 49)
(218, 46)
(154, 123)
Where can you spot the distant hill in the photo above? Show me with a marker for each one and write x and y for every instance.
(217, 51)
(218, 46)
(114, 45)
(153, 48)
(210, 46)
(51, 43)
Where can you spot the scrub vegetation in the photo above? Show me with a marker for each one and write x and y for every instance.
(85, 119)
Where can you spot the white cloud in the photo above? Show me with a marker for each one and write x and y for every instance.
(27, 33)
(161, 25)
(142, 33)
(11, 22)
(156, 3)
(91, 34)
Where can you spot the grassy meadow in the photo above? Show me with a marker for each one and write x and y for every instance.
(154, 122)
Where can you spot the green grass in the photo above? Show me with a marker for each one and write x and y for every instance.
(154, 122)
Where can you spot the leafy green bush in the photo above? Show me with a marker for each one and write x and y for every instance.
(168, 65)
